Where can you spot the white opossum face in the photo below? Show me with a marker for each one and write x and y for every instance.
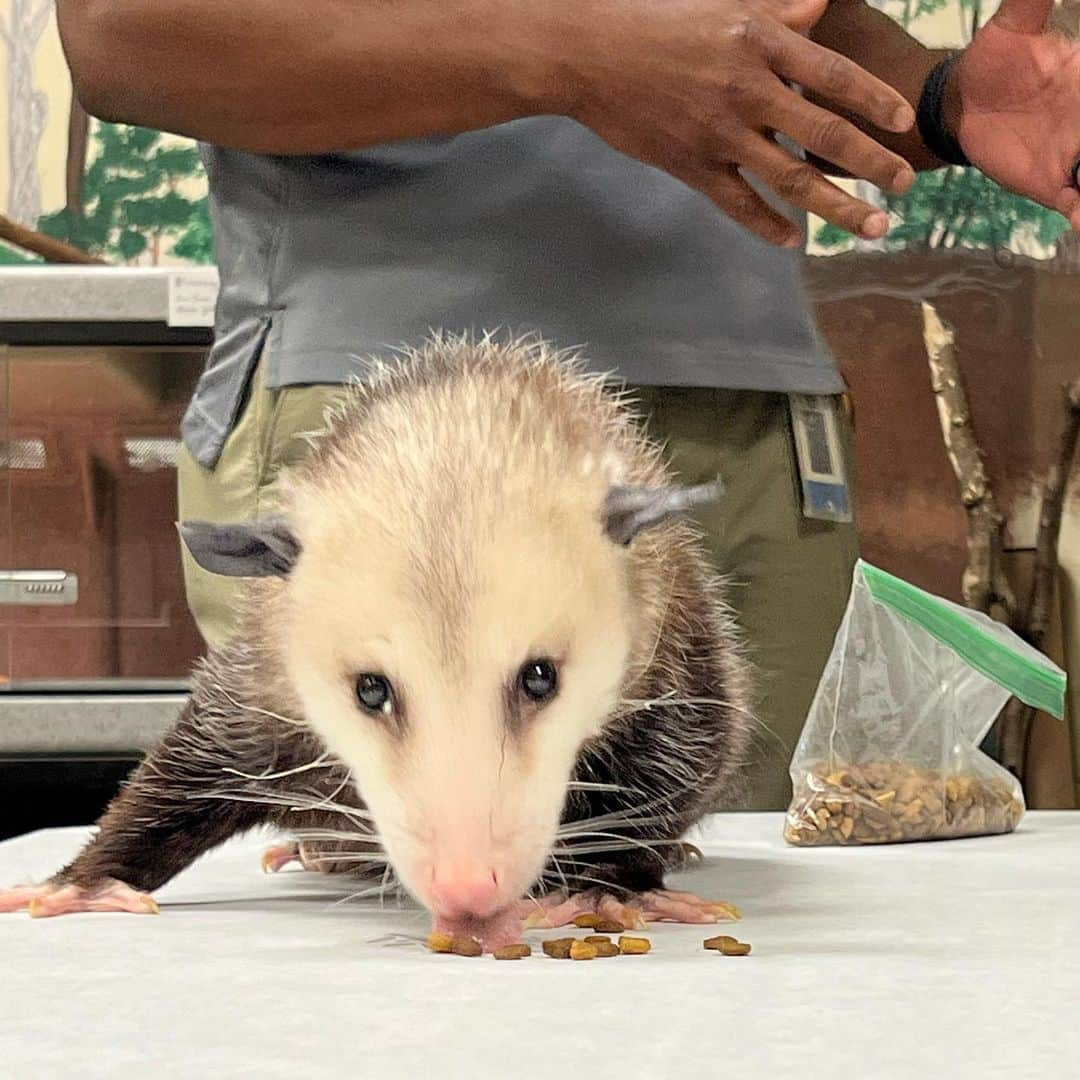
(458, 674)
(459, 688)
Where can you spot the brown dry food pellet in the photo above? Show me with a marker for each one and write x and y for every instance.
(634, 946)
(441, 943)
(606, 948)
(513, 952)
(888, 802)
(597, 939)
(466, 946)
(735, 948)
(719, 942)
(558, 948)
(582, 950)
(609, 926)
(587, 921)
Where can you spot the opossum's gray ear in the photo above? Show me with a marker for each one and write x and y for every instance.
(630, 510)
(265, 548)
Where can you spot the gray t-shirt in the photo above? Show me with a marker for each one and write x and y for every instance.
(534, 225)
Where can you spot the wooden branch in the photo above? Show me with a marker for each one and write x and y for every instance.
(1017, 719)
(78, 139)
(984, 583)
(50, 249)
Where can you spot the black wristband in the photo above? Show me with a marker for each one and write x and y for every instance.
(930, 115)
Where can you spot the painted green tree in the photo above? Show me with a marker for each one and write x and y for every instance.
(959, 208)
(132, 200)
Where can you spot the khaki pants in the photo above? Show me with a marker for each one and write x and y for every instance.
(789, 576)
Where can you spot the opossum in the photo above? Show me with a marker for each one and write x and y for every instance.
(482, 654)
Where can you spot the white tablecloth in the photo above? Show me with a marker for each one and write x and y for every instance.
(943, 961)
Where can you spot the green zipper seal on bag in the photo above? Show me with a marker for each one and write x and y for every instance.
(1033, 678)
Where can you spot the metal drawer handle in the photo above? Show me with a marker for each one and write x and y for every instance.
(38, 587)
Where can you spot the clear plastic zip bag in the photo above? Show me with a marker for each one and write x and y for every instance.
(890, 749)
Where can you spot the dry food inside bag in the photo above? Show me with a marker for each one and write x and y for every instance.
(890, 750)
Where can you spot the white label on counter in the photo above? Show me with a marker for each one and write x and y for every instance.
(192, 296)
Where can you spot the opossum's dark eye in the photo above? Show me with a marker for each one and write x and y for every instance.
(373, 692)
(539, 679)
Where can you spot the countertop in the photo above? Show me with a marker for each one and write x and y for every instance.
(96, 293)
(952, 960)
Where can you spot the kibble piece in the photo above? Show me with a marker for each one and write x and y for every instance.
(558, 948)
(513, 952)
(466, 946)
(634, 946)
(588, 921)
(736, 948)
(719, 942)
(609, 926)
(442, 943)
(608, 948)
(597, 939)
(582, 950)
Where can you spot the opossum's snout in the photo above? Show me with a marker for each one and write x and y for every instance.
(469, 889)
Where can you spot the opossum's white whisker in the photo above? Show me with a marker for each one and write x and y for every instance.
(333, 834)
(590, 785)
(643, 704)
(363, 894)
(382, 890)
(344, 857)
(613, 819)
(302, 800)
(592, 880)
(246, 706)
(291, 802)
(330, 799)
(629, 841)
(318, 763)
(558, 868)
(616, 843)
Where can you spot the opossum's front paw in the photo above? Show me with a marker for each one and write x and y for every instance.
(43, 901)
(634, 912)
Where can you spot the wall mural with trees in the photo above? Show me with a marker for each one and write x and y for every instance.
(128, 195)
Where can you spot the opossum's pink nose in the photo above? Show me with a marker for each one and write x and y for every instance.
(465, 889)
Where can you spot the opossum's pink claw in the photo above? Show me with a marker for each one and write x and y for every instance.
(280, 856)
(44, 901)
(667, 905)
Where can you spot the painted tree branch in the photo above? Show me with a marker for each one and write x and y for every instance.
(1017, 719)
(984, 583)
(51, 250)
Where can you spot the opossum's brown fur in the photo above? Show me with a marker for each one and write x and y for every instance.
(446, 426)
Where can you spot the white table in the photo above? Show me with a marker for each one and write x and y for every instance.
(941, 961)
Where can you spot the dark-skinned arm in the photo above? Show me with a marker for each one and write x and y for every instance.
(688, 87)
(884, 48)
